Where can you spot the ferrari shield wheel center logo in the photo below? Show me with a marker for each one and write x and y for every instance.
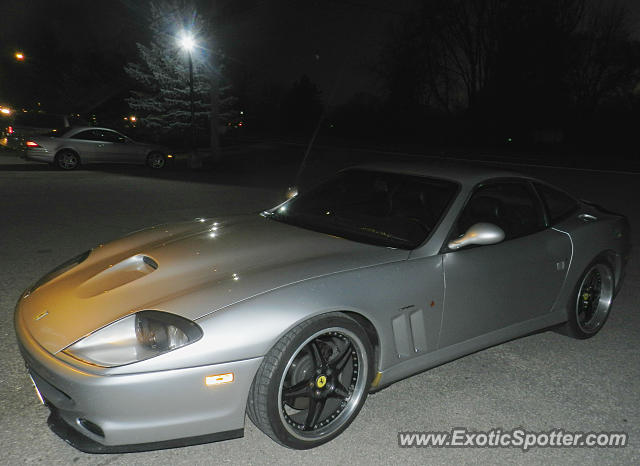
(321, 381)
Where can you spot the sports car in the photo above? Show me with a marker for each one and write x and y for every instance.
(170, 335)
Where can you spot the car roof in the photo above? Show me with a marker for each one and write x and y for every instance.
(83, 128)
(460, 172)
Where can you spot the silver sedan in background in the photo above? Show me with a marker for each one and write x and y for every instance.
(70, 147)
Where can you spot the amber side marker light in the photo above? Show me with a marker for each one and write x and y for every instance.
(218, 379)
(32, 144)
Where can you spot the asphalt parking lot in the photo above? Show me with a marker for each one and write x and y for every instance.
(539, 382)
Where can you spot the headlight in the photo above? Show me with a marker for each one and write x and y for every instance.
(139, 336)
(62, 268)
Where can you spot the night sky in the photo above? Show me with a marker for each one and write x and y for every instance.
(336, 43)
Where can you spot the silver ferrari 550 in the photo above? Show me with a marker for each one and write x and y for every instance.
(168, 336)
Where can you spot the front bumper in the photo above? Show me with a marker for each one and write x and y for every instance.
(83, 443)
(142, 411)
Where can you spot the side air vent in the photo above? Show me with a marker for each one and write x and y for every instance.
(402, 335)
(409, 333)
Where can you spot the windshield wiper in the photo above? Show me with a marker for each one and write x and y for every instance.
(384, 234)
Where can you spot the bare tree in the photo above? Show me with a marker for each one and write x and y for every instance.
(604, 59)
(457, 47)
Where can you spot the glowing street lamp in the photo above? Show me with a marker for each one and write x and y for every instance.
(188, 43)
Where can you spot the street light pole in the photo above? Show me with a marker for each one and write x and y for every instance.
(188, 43)
(193, 111)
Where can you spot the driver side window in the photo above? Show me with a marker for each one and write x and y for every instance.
(511, 206)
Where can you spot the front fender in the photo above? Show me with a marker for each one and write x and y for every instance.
(389, 296)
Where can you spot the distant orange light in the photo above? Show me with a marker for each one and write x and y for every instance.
(19, 56)
(5, 111)
(169, 156)
(132, 118)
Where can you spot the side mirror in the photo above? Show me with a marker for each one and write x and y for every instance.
(479, 233)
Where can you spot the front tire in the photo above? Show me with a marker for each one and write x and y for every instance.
(313, 382)
(591, 302)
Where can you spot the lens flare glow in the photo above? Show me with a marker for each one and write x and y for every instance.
(187, 42)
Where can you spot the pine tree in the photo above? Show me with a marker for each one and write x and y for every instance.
(162, 102)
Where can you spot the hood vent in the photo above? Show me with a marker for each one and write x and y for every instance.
(116, 275)
(150, 262)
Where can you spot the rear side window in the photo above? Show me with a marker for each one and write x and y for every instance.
(559, 205)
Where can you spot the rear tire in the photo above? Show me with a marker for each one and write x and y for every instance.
(591, 302)
(156, 160)
(313, 382)
(67, 160)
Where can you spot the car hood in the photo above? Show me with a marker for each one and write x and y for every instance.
(168, 267)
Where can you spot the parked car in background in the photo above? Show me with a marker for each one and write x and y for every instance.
(26, 125)
(70, 147)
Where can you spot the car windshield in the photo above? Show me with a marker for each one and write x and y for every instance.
(386, 209)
